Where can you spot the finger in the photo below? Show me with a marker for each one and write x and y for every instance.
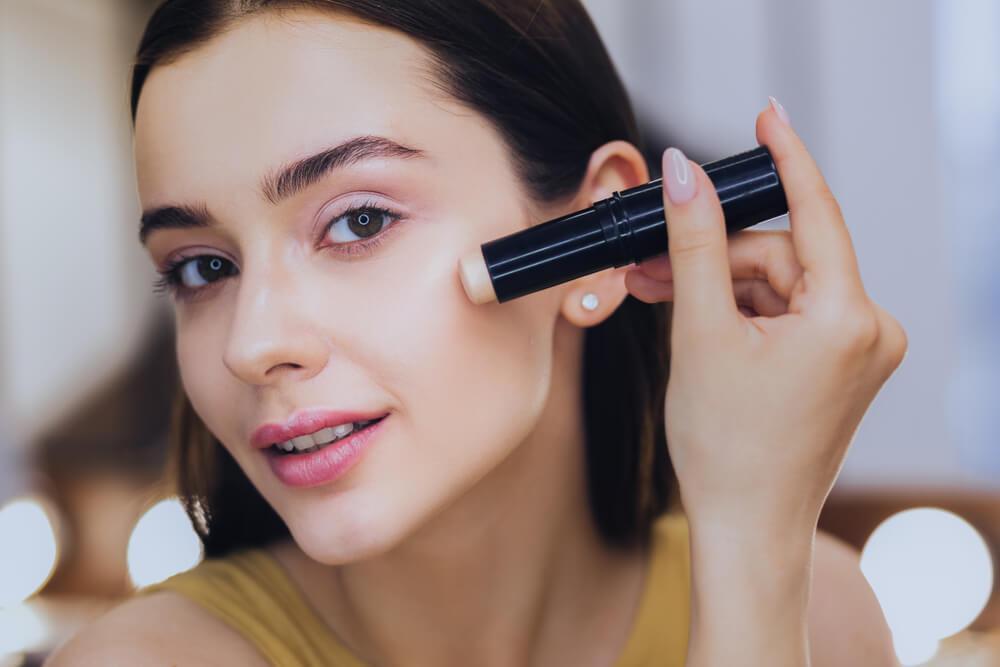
(765, 254)
(822, 242)
(699, 261)
(646, 289)
(752, 293)
(760, 296)
(657, 267)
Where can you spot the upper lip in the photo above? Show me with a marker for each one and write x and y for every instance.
(305, 422)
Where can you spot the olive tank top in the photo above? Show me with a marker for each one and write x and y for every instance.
(251, 591)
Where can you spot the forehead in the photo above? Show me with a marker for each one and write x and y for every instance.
(276, 87)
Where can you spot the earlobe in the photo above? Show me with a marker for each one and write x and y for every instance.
(595, 298)
(590, 301)
(615, 166)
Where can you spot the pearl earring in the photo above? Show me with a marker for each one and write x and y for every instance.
(589, 301)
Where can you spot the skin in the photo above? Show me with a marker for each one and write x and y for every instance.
(757, 480)
(470, 511)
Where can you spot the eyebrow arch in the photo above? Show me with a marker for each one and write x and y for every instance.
(284, 183)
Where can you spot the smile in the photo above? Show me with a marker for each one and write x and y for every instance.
(312, 442)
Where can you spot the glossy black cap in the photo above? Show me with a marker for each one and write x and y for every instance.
(626, 228)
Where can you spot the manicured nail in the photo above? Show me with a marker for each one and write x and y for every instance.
(678, 176)
(780, 110)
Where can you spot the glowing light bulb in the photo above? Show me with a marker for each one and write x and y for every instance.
(22, 628)
(913, 650)
(162, 544)
(932, 573)
(30, 551)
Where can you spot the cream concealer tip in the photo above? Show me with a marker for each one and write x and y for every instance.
(475, 278)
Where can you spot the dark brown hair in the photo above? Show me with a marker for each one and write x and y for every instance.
(538, 71)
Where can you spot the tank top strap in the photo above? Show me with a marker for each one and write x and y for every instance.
(250, 591)
(660, 632)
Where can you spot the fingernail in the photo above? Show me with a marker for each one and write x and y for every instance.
(780, 110)
(678, 177)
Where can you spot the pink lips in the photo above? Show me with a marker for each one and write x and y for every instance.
(305, 422)
(324, 465)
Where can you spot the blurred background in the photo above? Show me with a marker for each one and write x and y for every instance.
(899, 102)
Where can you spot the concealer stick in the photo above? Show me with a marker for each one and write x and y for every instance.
(626, 228)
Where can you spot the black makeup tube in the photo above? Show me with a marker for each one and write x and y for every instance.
(625, 228)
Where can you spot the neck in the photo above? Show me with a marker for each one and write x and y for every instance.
(511, 573)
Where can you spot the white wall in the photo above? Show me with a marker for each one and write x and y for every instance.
(858, 81)
(71, 274)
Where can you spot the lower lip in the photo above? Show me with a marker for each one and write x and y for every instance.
(325, 465)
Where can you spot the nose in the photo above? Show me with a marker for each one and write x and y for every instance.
(270, 338)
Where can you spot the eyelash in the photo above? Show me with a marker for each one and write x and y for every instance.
(170, 279)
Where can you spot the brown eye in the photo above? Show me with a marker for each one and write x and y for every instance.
(359, 224)
(365, 222)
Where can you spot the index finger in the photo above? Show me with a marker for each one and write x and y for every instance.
(822, 243)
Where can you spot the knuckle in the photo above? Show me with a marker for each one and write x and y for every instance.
(897, 352)
(780, 248)
(895, 342)
(780, 238)
(863, 328)
(779, 263)
(853, 329)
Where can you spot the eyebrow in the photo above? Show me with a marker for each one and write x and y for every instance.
(285, 182)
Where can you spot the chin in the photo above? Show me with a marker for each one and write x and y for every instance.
(348, 535)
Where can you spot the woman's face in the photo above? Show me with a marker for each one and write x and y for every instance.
(288, 310)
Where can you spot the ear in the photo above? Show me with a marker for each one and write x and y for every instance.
(615, 166)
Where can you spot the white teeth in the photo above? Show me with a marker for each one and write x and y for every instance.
(323, 436)
(303, 442)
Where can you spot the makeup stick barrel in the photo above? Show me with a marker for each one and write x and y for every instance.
(626, 228)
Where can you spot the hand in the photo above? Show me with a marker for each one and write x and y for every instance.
(776, 349)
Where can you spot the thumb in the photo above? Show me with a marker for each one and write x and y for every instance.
(696, 231)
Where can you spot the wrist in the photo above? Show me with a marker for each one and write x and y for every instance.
(750, 586)
(772, 558)
(756, 531)
(753, 563)
(758, 518)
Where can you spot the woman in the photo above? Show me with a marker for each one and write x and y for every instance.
(310, 172)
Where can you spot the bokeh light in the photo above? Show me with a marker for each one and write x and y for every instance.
(162, 544)
(30, 550)
(932, 573)
(913, 650)
(22, 628)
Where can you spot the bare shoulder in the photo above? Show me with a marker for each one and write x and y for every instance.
(161, 628)
(846, 624)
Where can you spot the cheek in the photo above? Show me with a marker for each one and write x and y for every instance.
(203, 377)
(476, 371)
(472, 380)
